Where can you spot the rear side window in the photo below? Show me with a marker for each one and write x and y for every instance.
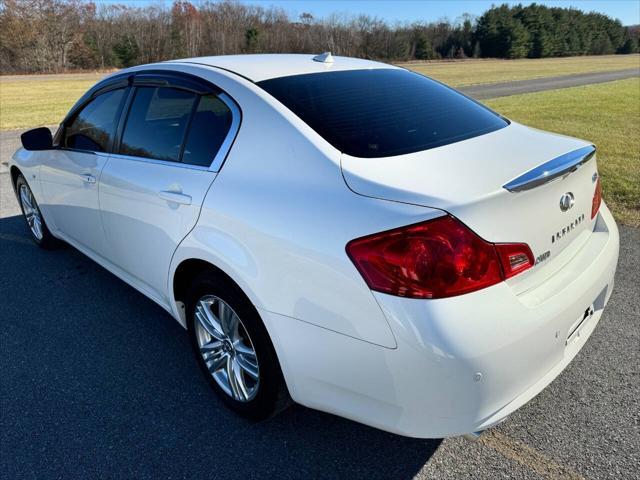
(94, 127)
(209, 127)
(382, 112)
(157, 122)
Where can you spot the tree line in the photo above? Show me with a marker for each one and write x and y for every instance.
(60, 35)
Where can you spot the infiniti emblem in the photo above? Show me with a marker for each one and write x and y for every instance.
(566, 201)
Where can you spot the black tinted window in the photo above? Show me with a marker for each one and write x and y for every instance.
(157, 122)
(94, 127)
(383, 112)
(208, 130)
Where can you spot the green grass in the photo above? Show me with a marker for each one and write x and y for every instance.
(608, 115)
(469, 72)
(36, 100)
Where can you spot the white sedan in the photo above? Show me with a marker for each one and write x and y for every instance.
(342, 233)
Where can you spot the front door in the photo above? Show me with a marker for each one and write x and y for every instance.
(70, 175)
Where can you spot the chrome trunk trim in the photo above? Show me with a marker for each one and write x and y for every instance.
(548, 171)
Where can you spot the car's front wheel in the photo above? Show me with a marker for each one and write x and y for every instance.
(233, 348)
(33, 216)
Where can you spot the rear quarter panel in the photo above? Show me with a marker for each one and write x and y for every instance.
(278, 217)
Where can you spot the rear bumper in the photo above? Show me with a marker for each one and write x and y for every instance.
(462, 364)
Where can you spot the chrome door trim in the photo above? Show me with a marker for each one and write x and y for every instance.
(224, 149)
(88, 152)
(548, 171)
(159, 162)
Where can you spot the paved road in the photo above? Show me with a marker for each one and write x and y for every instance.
(97, 381)
(54, 77)
(494, 90)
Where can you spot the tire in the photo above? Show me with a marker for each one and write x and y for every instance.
(33, 216)
(247, 352)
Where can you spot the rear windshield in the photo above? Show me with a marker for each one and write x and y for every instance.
(382, 112)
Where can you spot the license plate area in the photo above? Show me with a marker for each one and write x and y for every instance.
(574, 330)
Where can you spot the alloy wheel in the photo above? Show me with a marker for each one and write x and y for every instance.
(226, 348)
(31, 211)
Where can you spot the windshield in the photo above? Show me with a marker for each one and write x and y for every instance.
(382, 112)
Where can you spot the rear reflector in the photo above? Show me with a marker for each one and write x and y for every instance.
(514, 257)
(597, 200)
(435, 259)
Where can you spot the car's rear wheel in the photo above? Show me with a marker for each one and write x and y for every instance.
(233, 348)
(33, 216)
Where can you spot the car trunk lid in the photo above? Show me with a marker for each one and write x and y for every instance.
(498, 184)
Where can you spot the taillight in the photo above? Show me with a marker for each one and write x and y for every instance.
(435, 259)
(597, 199)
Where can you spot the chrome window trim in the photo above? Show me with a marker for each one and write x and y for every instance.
(549, 171)
(220, 156)
(156, 161)
(224, 149)
(79, 150)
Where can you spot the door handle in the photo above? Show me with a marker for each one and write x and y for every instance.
(175, 197)
(88, 178)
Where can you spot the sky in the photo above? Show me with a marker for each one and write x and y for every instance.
(627, 11)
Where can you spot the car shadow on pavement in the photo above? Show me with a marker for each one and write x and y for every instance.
(98, 381)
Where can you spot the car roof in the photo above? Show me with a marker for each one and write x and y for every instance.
(258, 67)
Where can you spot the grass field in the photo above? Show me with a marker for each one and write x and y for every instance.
(51, 96)
(608, 115)
(32, 101)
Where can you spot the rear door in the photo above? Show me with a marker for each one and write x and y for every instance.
(172, 141)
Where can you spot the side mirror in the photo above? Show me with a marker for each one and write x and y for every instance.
(37, 139)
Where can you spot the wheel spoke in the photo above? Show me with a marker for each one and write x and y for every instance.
(24, 196)
(37, 225)
(215, 361)
(237, 373)
(236, 392)
(247, 366)
(208, 321)
(245, 350)
(228, 319)
(213, 354)
(212, 346)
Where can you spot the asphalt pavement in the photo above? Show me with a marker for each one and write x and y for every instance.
(494, 90)
(98, 381)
